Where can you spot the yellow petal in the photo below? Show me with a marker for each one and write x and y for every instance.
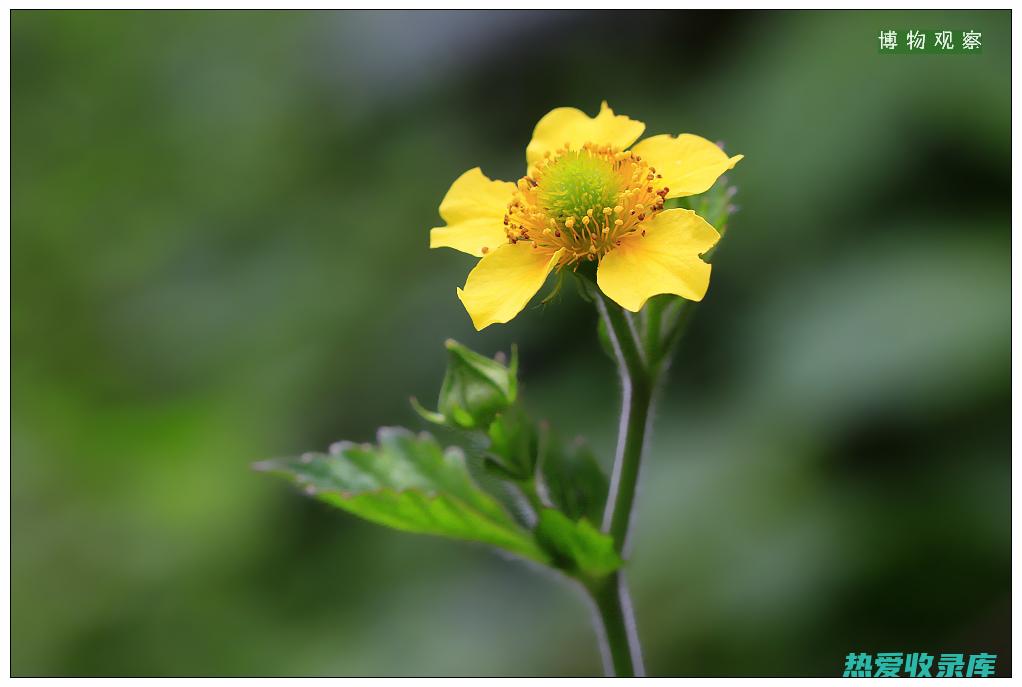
(474, 210)
(574, 127)
(504, 281)
(689, 163)
(665, 260)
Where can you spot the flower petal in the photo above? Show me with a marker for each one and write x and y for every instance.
(504, 281)
(665, 260)
(474, 210)
(575, 127)
(689, 163)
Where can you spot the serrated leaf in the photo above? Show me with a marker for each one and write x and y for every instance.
(573, 479)
(576, 545)
(407, 482)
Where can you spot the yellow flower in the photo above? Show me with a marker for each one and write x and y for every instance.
(586, 197)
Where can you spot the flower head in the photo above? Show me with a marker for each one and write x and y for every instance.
(586, 197)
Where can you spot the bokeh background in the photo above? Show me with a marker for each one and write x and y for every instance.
(219, 251)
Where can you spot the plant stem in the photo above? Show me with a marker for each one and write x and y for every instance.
(622, 656)
(611, 594)
(637, 392)
(653, 312)
(682, 317)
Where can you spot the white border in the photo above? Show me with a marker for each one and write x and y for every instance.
(528, 4)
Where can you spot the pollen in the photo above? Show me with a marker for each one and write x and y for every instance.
(584, 201)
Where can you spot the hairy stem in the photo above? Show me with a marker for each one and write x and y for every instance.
(637, 392)
(622, 656)
(621, 643)
(653, 313)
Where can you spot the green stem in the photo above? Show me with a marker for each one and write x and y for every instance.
(654, 311)
(622, 656)
(683, 311)
(642, 360)
(621, 642)
(637, 390)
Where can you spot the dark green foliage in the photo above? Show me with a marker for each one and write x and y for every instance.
(409, 482)
(573, 479)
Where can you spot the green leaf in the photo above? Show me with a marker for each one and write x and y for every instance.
(576, 545)
(426, 414)
(573, 479)
(407, 482)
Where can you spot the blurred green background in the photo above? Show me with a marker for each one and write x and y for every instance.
(219, 251)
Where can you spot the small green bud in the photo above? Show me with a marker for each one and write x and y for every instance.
(475, 389)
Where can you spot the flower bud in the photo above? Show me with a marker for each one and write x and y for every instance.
(475, 389)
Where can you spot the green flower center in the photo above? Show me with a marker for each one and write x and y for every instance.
(577, 182)
(580, 203)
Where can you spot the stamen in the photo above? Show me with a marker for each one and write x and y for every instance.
(583, 201)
